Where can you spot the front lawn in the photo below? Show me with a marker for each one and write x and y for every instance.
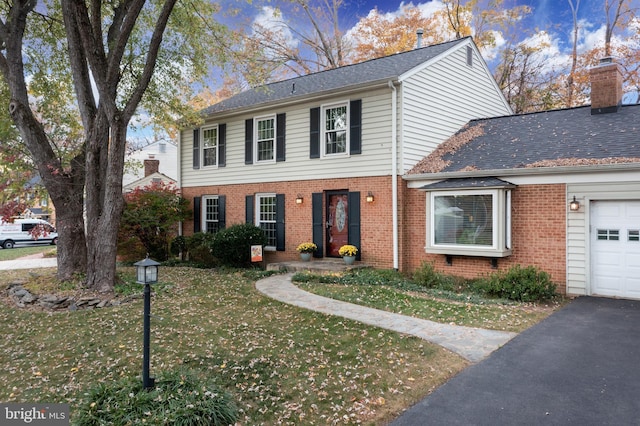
(390, 291)
(281, 364)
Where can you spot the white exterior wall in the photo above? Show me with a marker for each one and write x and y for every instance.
(375, 159)
(167, 156)
(438, 100)
(579, 226)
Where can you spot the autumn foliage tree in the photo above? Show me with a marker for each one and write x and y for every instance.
(151, 215)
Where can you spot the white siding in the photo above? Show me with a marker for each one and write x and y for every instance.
(440, 99)
(375, 159)
(578, 227)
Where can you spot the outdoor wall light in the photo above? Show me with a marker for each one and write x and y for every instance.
(146, 273)
(370, 197)
(299, 199)
(574, 205)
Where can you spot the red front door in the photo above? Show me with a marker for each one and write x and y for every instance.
(337, 222)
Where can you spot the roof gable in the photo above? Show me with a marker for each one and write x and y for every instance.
(567, 137)
(374, 70)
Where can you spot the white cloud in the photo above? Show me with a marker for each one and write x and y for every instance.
(273, 20)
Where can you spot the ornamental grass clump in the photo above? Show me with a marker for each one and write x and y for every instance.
(307, 248)
(179, 398)
(348, 250)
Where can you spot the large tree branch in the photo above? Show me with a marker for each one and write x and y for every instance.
(152, 56)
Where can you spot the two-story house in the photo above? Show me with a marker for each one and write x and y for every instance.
(321, 157)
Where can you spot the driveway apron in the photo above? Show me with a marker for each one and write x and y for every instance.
(580, 366)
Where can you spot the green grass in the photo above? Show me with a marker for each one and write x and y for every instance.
(281, 364)
(14, 253)
(390, 291)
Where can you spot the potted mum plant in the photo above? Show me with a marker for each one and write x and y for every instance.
(306, 249)
(348, 253)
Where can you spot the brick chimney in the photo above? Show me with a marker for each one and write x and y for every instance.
(606, 87)
(151, 165)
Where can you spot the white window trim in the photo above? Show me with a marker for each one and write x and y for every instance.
(202, 147)
(501, 238)
(255, 138)
(256, 210)
(203, 212)
(323, 126)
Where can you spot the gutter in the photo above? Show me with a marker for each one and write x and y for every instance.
(533, 171)
(394, 171)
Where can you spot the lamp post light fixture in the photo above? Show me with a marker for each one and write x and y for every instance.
(146, 274)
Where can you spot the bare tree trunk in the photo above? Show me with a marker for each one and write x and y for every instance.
(106, 210)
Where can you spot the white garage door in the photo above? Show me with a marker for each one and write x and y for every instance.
(615, 248)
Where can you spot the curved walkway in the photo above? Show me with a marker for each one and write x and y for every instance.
(29, 263)
(474, 344)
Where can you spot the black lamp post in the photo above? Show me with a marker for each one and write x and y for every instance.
(147, 274)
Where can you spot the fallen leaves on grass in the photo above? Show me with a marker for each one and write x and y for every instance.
(283, 365)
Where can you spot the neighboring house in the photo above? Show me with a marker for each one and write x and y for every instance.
(37, 199)
(320, 157)
(164, 151)
(559, 190)
(151, 175)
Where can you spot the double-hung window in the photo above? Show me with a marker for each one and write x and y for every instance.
(335, 126)
(265, 146)
(266, 217)
(210, 146)
(469, 222)
(210, 213)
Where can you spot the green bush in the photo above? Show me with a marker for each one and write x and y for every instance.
(527, 284)
(199, 247)
(178, 245)
(179, 398)
(232, 246)
(426, 276)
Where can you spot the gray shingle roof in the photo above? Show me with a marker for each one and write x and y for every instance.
(388, 67)
(566, 137)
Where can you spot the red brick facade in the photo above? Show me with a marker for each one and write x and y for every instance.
(376, 217)
(538, 224)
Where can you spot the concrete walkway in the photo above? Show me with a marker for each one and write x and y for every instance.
(474, 344)
(29, 263)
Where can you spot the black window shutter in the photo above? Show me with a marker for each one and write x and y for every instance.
(196, 148)
(222, 145)
(249, 209)
(222, 211)
(248, 141)
(314, 133)
(318, 225)
(281, 122)
(196, 214)
(280, 222)
(354, 221)
(355, 125)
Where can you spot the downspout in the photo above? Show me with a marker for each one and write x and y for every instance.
(394, 170)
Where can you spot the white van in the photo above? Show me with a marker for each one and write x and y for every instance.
(17, 233)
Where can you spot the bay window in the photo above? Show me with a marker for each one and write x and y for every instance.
(469, 222)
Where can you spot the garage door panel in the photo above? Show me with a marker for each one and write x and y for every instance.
(615, 249)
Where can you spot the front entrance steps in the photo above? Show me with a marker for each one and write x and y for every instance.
(326, 265)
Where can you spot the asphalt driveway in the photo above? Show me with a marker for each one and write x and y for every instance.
(580, 366)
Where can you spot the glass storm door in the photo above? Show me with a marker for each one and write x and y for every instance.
(337, 222)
